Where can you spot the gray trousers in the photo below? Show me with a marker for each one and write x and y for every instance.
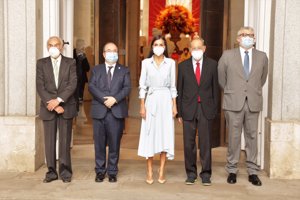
(235, 121)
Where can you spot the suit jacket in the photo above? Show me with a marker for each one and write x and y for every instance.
(46, 88)
(188, 89)
(236, 87)
(82, 67)
(119, 89)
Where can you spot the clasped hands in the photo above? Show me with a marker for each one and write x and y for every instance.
(53, 104)
(109, 101)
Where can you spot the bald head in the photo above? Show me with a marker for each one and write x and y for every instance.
(110, 46)
(198, 44)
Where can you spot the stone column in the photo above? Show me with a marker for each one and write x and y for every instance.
(21, 140)
(132, 38)
(258, 15)
(2, 63)
(282, 125)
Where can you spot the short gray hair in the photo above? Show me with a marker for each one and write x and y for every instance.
(58, 38)
(249, 28)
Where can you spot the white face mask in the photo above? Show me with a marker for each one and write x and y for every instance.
(54, 52)
(247, 42)
(111, 57)
(158, 50)
(197, 54)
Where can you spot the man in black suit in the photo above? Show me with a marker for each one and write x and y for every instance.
(198, 95)
(56, 82)
(109, 85)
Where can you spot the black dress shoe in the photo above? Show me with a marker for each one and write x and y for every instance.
(66, 180)
(100, 177)
(254, 180)
(231, 178)
(50, 176)
(190, 181)
(112, 178)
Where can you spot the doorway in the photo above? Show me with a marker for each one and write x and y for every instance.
(122, 22)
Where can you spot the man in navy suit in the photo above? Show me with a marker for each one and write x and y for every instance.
(109, 85)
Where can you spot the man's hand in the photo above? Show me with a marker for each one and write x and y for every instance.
(109, 101)
(52, 104)
(59, 110)
(180, 120)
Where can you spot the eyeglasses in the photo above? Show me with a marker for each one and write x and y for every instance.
(247, 35)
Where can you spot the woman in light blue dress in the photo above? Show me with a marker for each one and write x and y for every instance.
(158, 107)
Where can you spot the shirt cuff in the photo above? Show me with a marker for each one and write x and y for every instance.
(59, 99)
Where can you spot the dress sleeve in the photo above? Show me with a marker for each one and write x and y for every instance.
(173, 83)
(142, 82)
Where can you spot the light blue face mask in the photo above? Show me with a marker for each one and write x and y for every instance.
(111, 57)
(247, 42)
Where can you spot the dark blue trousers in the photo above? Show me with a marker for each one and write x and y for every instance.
(107, 132)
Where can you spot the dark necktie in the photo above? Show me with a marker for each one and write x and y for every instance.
(198, 76)
(246, 64)
(109, 76)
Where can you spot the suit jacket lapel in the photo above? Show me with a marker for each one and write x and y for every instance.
(103, 74)
(204, 71)
(49, 70)
(190, 71)
(62, 70)
(115, 75)
(240, 64)
(254, 60)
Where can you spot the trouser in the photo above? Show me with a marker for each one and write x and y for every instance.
(65, 132)
(107, 132)
(236, 120)
(204, 127)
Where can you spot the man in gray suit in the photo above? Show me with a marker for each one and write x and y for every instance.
(56, 82)
(110, 86)
(242, 73)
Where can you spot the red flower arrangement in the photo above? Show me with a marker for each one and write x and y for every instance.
(175, 18)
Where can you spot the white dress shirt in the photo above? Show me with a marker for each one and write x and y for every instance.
(112, 69)
(58, 61)
(195, 65)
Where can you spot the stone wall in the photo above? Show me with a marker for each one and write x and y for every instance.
(21, 137)
(282, 143)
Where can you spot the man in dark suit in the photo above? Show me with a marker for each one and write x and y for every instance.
(83, 67)
(56, 82)
(242, 73)
(109, 85)
(197, 102)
